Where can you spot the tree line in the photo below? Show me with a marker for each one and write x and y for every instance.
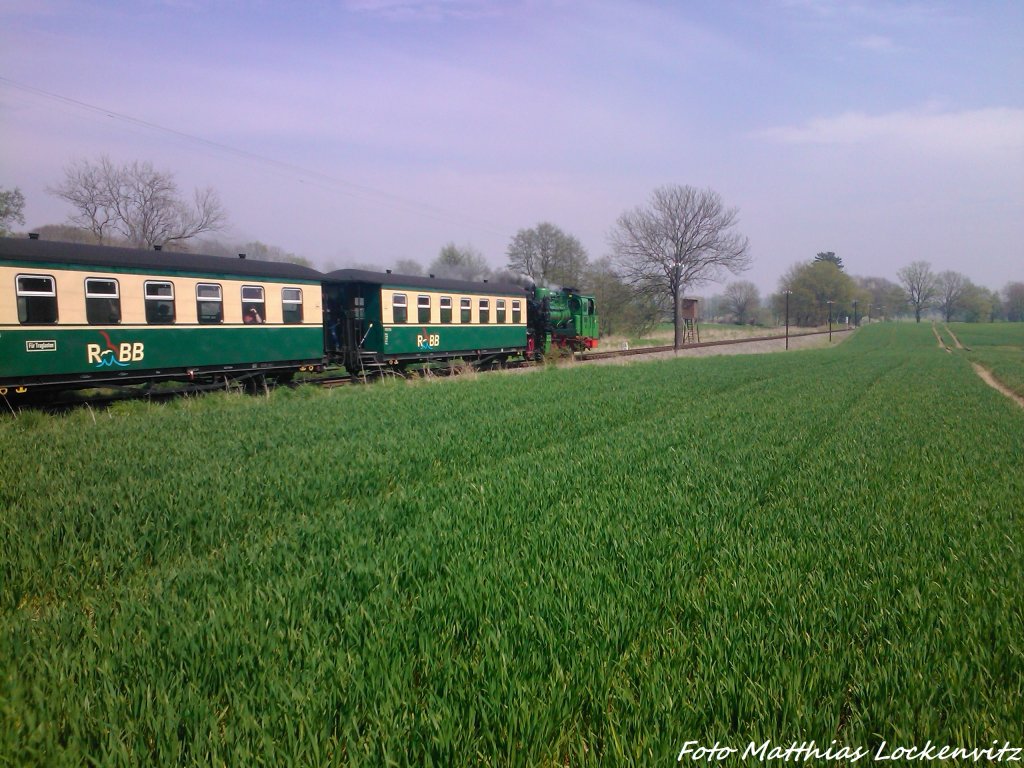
(814, 288)
(659, 252)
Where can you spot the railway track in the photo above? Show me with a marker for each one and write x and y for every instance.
(583, 357)
(100, 400)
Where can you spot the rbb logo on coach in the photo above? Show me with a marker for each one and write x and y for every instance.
(110, 354)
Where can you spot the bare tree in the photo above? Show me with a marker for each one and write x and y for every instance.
(683, 238)
(547, 254)
(741, 300)
(460, 262)
(920, 284)
(951, 287)
(12, 209)
(136, 203)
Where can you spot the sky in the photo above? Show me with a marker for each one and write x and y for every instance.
(369, 131)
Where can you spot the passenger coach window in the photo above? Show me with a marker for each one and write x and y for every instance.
(423, 308)
(401, 311)
(499, 310)
(254, 306)
(291, 305)
(517, 312)
(446, 309)
(102, 301)
(159, 302)
(465, 310)
(209, 303)
(37, 299)
(485, 311)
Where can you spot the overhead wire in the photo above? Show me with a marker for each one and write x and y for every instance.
(302, 175)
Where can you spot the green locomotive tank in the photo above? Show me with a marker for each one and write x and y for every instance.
(564, 319)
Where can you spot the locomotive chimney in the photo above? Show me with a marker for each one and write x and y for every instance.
(388, 271)
(33, 235)
(158, 247)
(241, 255)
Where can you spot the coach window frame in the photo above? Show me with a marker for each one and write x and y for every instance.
(205, 303)
(465, 310)
(445, 311)
(500, 313)
(423, 309)
(102, 308)
(156, 302)
(399, 308)
(517, 311)
(291, 308)
(249, 303)
(484, 309)
(32, 303)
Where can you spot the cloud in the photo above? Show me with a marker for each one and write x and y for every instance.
(996, 129)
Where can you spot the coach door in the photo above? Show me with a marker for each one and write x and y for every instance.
(355, 316)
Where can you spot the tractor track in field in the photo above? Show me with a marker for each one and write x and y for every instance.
(983, 373)
(993, 382)
(956, 341)
(938, 338)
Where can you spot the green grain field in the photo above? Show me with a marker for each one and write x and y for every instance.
(576, 566)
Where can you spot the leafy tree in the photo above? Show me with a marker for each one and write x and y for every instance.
(548, 255)
(65, 233)
(460, 263)
(978, 304)
(950, 287)
(12, 209)
(683, 238)
(408, 267)
(742, 300)
(880, 297)
(621, 309)
(813, 286)
(921, 285)
(254, 249)
(1013, 302)
(829, 256)
(136, 204)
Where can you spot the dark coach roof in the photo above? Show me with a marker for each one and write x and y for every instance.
(418, 281)
(79, 254)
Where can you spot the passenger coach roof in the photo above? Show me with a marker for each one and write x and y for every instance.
(418, 281)
(72, 254)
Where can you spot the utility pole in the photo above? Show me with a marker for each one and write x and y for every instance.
(787, 292)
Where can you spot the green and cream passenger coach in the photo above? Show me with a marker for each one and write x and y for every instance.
(74, 315)
(378, 319)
